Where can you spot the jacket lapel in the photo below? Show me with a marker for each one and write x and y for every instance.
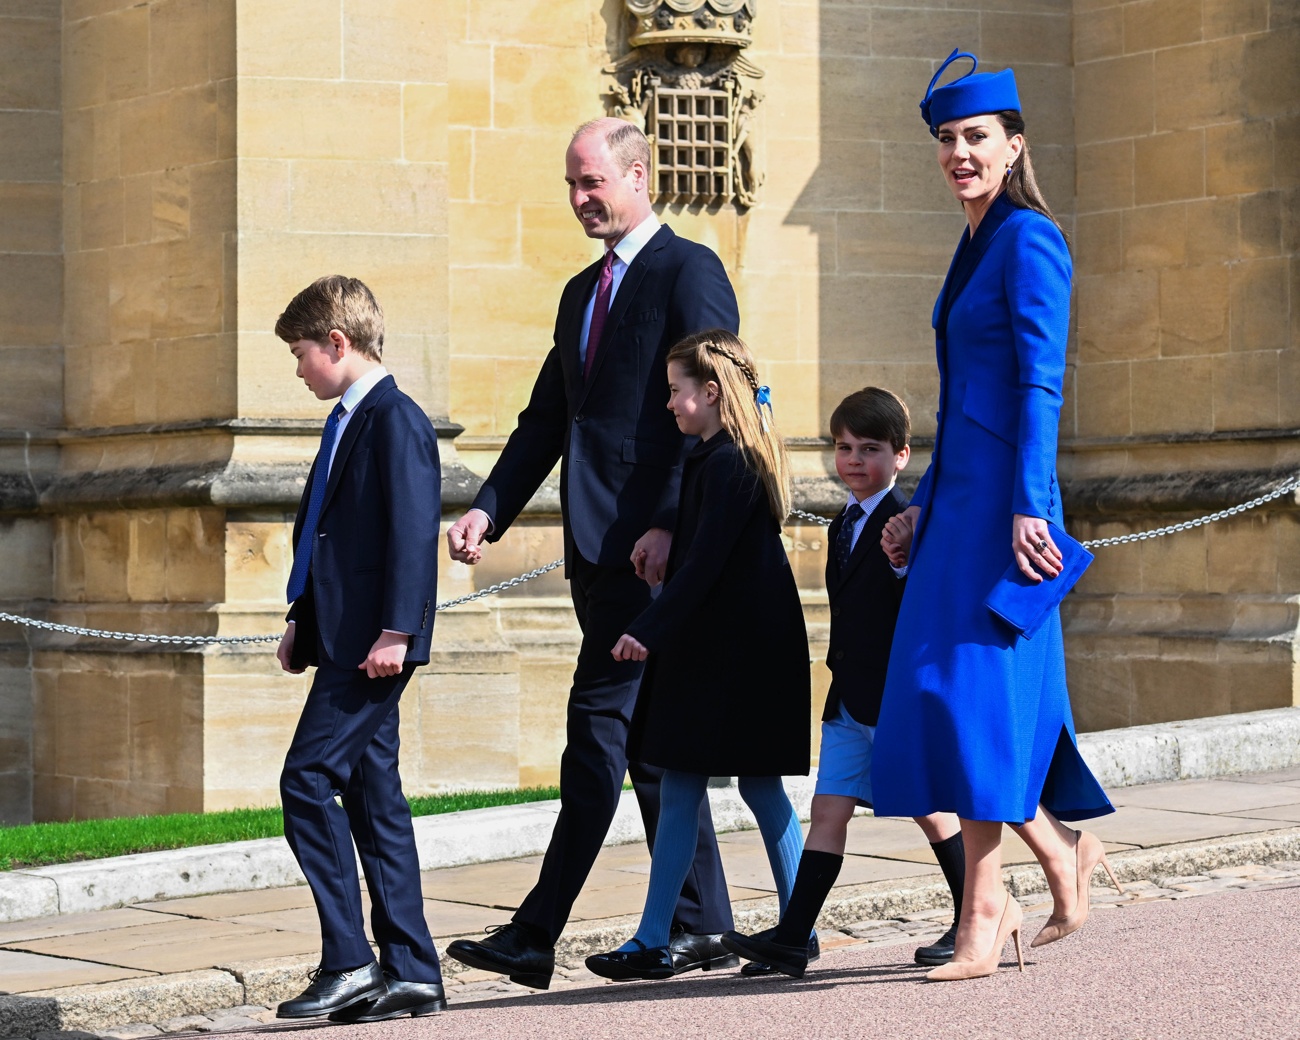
(350, 434)
(571, 337)
(967, 259)
(833, 536)
(627, 290)
(871, 532)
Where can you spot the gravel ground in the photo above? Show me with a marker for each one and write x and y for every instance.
(1212, 956)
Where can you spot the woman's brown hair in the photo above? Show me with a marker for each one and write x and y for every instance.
(1022, 186)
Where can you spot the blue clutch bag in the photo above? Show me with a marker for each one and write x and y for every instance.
(1025, 605)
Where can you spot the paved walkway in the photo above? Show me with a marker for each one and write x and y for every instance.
(1171, 839)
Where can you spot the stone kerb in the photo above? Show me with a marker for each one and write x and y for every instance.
(1229, 744)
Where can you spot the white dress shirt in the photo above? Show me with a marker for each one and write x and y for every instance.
(352, 397)
(624, 253)
(868, 507)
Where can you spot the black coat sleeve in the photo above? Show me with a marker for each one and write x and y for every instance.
(531, 452)
(730, 495)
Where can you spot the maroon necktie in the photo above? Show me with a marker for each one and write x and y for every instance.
(599, 311)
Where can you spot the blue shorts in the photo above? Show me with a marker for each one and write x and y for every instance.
(844, 766)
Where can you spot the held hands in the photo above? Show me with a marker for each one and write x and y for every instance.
(650, 558)
(1033, 546)
(387, 656)
(284, 652)
(465, 536)
(896, 539)
(628, 649)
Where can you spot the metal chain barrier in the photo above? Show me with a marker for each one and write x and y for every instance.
(143, 637)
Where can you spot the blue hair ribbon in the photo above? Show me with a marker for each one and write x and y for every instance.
(763, 398)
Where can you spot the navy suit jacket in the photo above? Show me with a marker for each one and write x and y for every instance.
(620, 450)
(864, 600)
(375, 564)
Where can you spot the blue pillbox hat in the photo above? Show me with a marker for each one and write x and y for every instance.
(970, 95)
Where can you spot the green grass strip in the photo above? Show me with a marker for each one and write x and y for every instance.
(40, 844)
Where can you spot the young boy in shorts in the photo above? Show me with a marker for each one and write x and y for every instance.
(872, 430)
(361, 594)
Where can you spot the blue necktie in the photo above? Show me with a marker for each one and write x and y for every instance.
(307, 538)
(844, 540)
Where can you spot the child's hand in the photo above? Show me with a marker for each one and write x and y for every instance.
(896, 539)
(650, 555)
(628, 649)
(465, 536)
(284, 652)
(387, 656)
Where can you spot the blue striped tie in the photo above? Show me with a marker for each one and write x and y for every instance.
(307, 538)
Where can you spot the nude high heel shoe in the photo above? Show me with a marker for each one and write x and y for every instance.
(1008, 926)
(1087, 854)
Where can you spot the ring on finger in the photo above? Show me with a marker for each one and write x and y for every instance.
(1042, 545)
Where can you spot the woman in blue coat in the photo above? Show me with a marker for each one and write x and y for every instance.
(976, 718)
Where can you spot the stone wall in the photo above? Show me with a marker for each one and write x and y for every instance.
(1187, 129)
(31, 356)
(176, 169)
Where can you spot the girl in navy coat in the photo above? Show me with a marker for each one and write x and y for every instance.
(727, 687)
(976, 718)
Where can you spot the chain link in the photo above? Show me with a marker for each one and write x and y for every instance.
(1142, 536)
(501, 586)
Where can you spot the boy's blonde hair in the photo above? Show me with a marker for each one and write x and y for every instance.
(335, 302)
(721, 357)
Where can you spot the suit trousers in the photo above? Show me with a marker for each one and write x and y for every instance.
(346, 746)
(594, 762)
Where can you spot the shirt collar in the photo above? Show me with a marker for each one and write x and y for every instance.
(356, 393)
(868, 504)
(635, 240)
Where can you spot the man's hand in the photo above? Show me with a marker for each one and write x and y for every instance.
(465, 536)
(284, 652)
(896, 539)
(387, 655)
(1031, 541)
(650, 557)
(628, 649)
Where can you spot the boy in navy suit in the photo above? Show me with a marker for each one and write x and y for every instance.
(362, 592)
(871, 429)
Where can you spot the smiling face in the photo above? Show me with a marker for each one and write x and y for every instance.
(867, 466)
(695, 404)
(607, 201)
(974, 154)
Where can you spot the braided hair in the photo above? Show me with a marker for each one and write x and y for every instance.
(722, 358)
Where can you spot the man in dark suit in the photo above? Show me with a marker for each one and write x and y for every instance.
(361, 590)
(599, 407)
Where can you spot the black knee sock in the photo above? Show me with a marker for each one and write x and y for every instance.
(812, 884)
(951, 854)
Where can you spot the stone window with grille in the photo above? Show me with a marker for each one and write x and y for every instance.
(692, 145)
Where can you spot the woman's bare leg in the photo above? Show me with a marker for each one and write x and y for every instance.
(1052, 844)
(984, 896)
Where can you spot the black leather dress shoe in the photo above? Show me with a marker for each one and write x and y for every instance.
(333, 990)
(758, 968)
(399, 998)
(690, 951)
(940, 951)
(649, 963)
(788, 960)
(508, 951)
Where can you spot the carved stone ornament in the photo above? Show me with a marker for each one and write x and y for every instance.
(684, 83)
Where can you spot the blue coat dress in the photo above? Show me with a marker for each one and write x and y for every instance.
(976, 719)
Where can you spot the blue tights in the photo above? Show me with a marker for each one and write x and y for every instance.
(680, 795)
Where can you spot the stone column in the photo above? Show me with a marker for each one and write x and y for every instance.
(218, 155)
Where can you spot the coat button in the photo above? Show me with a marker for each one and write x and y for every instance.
(835, 611)
(579, 417)
(839, 655)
